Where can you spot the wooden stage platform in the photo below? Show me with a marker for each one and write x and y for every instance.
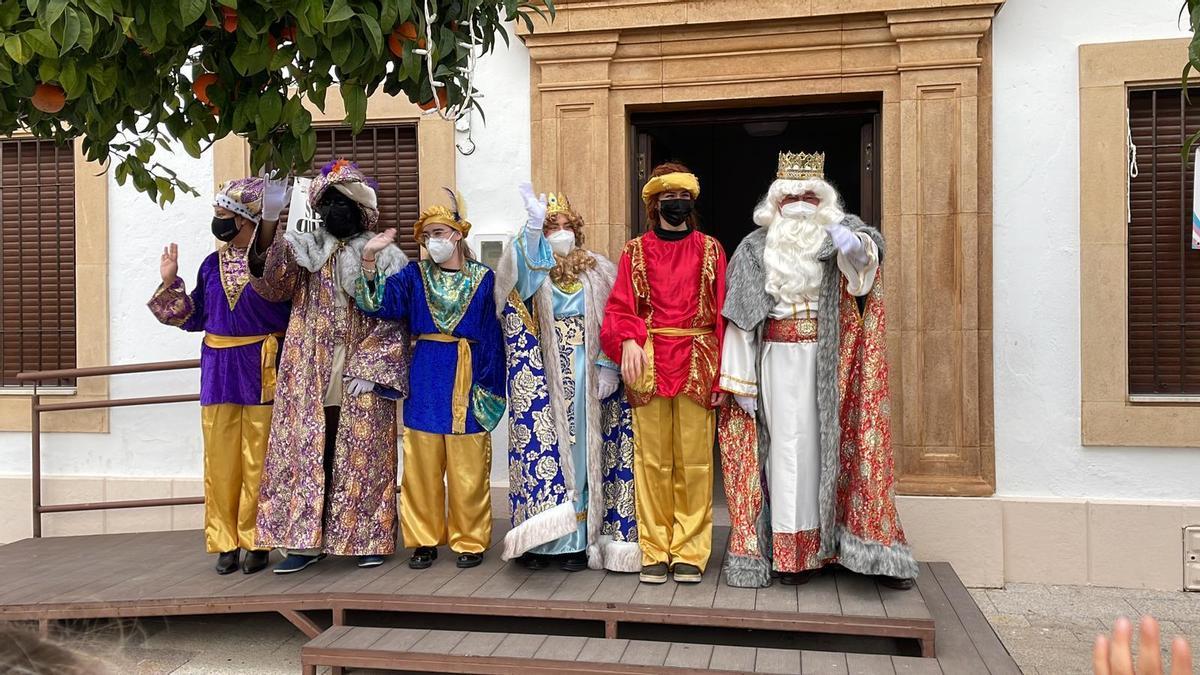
(933, 628)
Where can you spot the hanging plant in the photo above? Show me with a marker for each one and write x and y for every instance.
(133, 76)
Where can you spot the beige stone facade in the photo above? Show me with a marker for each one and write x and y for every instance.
(928, 62)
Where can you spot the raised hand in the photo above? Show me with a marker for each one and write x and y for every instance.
(1114, 656)
(168, 265)
(276, 195)
(535, 207)
(379, 242)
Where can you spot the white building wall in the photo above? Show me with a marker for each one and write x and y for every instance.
(1046, 479)
(1036, 258)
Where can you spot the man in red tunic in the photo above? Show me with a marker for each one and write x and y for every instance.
(663, 324)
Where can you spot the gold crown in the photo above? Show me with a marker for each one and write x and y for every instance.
(801, 165)
(557, 203)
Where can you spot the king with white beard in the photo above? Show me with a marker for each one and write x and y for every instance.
(804, 357)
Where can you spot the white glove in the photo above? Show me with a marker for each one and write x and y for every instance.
(356, 386)
(747, 403)
(276, 195)
(847, 243)
(608, 382)
(535, 207)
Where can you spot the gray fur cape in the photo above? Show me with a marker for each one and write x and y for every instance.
(748, 304)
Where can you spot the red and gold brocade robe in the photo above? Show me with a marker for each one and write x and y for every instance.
(670, 285)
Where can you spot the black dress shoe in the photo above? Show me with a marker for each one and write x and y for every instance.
(466, 560)
(797, 578)
(423, 557)
(897, 583)
(574, 562)
(533, 561)
(227, 562)
(255, 561)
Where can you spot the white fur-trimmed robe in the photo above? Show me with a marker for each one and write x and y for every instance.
(603, 552)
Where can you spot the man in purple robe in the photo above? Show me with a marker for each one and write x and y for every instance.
(237, 366)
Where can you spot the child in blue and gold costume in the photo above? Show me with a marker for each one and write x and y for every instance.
(456, 383)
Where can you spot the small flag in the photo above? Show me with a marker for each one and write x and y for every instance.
(301, 218)
(1196, 204)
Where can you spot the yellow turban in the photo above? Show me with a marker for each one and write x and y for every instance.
(671, 181)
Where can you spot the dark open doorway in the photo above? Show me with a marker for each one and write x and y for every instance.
(734, 153)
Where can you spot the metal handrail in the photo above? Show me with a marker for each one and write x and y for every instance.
(35, 430)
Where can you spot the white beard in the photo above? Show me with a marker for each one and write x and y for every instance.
(794, 274)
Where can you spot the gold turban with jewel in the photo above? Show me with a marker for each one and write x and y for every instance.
(454, 216)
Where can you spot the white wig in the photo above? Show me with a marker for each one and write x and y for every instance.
(831, 208)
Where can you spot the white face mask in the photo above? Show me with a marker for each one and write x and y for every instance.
(798, 210)
(562, 242)
(440, 249)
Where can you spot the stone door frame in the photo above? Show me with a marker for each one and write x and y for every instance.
(931, 65)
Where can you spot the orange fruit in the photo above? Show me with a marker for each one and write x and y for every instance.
(442, 99)
(49, 98)
(201, 85)
(288, 33)
(396, 44)
(408, 29)
(272, 42)
(421, 43)
(229, 20)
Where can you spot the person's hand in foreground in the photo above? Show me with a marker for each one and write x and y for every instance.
(1114, 656)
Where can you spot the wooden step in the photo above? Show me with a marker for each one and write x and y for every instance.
(450, 651)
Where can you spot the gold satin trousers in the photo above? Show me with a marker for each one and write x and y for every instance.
(235, 441)
(673, 480)
(439, 465)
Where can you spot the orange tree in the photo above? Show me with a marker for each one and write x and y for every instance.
(130, 76)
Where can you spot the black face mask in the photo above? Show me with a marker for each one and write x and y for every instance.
(339, 214)
(224, 229)
(675, 211)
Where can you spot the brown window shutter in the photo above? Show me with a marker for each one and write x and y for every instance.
(37, 258)
(1164, 271)
(387, 153)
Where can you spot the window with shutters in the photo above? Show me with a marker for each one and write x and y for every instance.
(387, 153)
(37, 258)
(1163, 268)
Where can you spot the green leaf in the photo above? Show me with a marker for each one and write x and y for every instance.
(228, 3)
(190, 11)
(373, 32)
(340, 51)
(87, 33)
(190, 142)
(10, 12)
(145, 150)
(339, 11)
(72, 79)
(104, 80)
(48, 70)
(159, 22)
(16, 49)
(302, 122)
(316, 13)
(389, 14)
(308, 146)
(102, 8)
(39, 40)
(54, 9)
(355, 100)
(68, 31)
(269, 107)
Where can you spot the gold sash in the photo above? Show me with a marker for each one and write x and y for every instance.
(463, 375)
(270, 352)
(648, 383)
